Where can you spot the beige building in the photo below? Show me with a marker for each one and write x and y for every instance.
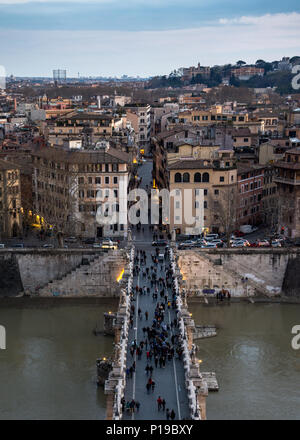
(217, 177)
(10, 200)
(71, 189)
(139, 115)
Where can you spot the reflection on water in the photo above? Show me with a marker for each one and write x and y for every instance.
(257, 369)
(49, 368)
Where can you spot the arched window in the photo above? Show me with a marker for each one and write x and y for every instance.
(205, 177)
(197, 177)
(186, 177)
(177, 177)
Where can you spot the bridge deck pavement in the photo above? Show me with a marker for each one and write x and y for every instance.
(169, 381)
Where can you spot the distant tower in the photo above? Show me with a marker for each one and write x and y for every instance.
(59, 76)
(99, 102)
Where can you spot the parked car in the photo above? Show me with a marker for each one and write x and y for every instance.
(238, 243)
(89, 241)
(18, 245)
(276, 243)
(209, 245)
(49, 246)
(2, 246)
(71, 240)
(209, 237)
(263, 243)
(159, 243)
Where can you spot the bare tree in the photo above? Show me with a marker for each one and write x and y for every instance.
(223, 210)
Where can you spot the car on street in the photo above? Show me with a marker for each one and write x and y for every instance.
(49, 246)
(239, 243)
(159, 243)
(276, 243)
(263, 243)
(71, 240)
(209, 245)
(18, 245)
(210, 237)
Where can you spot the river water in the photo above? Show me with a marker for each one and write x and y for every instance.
(49, 368)
(257, 370)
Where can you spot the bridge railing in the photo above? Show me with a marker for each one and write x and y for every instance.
(123, 345)
(194, 407)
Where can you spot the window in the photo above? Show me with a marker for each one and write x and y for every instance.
(205, 177)
(81, 180)
(216, 192)
(197, 205)
(90, 180)
(222, 179)
(106, 168)
(115, 193)
(115, 167)
(197, 177)
(115, 180)
(205, 192)
(107, 180)
(186, 177)
(205, 205)
(81, 194)
(177, 177)
(246, 139)
(177, 205)
(178, 192)
(97, 180)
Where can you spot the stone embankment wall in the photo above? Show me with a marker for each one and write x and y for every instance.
(45, 271)
(291, 282)
(10, 280)
(228, 268)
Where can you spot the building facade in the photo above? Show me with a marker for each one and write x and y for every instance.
(288, 180)
(10, 200)
(73, 189)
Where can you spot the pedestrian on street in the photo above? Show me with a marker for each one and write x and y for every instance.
(163, 404)
(172, 415)
(146, 315)
(153, 386)
(167, 413)
(150, 370)
(148, 386)
(159, 402)
(137, 405)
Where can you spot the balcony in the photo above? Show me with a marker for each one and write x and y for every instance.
(279, 179)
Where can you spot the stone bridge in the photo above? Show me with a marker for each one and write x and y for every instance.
(180, 382)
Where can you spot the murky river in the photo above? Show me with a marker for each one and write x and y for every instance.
(257, 369)
(48, 370)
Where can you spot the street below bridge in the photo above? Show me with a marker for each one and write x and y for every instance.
(169, 379)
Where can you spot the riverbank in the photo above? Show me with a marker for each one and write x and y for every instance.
(49, 302)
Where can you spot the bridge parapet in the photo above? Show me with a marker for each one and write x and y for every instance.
(196, 386)
(116, 382)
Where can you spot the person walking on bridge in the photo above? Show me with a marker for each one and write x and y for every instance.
(172, 414)
(159, 403)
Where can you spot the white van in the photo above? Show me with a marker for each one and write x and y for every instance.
(209, 237)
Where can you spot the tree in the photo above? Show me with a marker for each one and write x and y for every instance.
(241, 63)
(223, 210)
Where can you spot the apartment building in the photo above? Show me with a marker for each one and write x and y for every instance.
(250, 190)
(72, 187)
(288, 180)
(140, 117)
(217, 177)
(207, 117)
(246, 72)
(10, 200)
(88, 125)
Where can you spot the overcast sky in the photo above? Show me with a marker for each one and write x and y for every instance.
(142, 37)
